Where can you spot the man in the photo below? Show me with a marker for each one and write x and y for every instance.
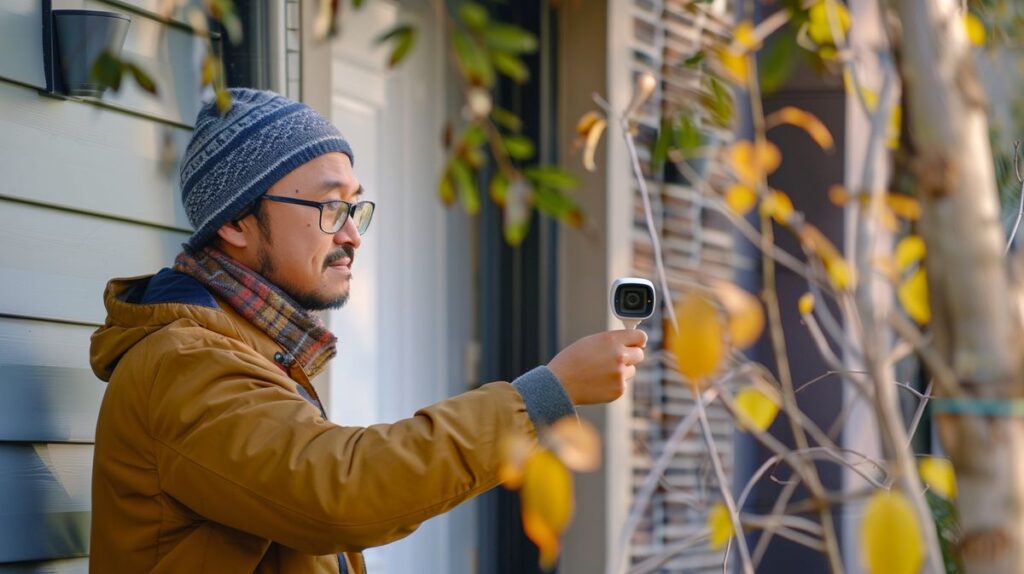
(213, 453)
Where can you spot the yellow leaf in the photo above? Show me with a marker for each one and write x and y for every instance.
(838, 195)
(720, 525)
(895, 127)
(735, 65)
(891, 540)
(540, 533)
(805, 121)
(746, 315)
(909, 250)
(593, 137)
(821, 18)
(839, 272)
(740, 199)
(756, 409)
(816, 241)
(751, 163)
(913, 295)
(576, 443)
(938, 474)
(778, 206)
(904, 206)
(975, 29)
(697, 345)
(587, 121)
(888, 219)
(828, 53)
(223, 101)
(547, 500)
(806, 304)
(745, 37)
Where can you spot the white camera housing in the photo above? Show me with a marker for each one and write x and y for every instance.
(632, 300)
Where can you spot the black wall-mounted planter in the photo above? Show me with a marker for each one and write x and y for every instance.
(72, 42)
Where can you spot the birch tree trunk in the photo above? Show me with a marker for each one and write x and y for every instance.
(976, 323)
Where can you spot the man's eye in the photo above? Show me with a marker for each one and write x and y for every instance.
(332, 207)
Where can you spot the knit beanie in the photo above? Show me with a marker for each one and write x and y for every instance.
(233, 159)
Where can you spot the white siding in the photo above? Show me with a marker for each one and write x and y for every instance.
(88, 193)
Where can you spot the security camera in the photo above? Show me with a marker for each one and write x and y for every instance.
(632, 300)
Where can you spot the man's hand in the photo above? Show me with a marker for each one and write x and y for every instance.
(595, 368)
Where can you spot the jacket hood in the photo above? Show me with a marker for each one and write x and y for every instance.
(139, 306)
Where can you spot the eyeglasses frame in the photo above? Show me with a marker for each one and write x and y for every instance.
(350, 209)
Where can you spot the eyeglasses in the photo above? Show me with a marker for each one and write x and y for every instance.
(333, 214)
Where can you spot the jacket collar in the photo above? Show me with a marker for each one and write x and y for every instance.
(303, 338)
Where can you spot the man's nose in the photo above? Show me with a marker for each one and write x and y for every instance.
(348, 234)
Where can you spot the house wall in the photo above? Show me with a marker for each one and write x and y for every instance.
(592, 48)
(88, 193)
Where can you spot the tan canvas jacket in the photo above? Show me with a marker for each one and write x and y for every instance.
(209, 459)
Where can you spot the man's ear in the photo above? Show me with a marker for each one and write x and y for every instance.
(236, 233)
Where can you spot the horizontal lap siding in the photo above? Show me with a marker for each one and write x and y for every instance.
(89, 192)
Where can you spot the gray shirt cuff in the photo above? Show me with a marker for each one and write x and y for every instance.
(546, 400)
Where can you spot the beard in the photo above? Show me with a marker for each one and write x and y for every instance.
(310, 300)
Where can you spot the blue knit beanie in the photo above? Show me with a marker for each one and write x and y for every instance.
(233, 159)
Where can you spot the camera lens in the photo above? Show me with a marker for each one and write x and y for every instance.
(634, 301)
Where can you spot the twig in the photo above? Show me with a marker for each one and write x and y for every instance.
(813, 452)
(943, 373)
(784, 520)
(779, 507)
(919, 413)
(638, 175)
(771, 300)
(654, 562)
(723, 486)
(1020, 211)
(643, 496)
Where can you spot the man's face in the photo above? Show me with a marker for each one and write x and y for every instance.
(292, 252)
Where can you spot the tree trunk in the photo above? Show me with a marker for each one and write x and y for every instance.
(975, 321)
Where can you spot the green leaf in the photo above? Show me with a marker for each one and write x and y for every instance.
(554, 203)
(508, 38)
(473, 60)
(402, 38)
(445, 189)
(474, 136)
(660, 151)
(141, 78)
(694, 60)
(519, 147)
(357, 4)
(687, 136)
(499, 189)
(468, 195)
(516, 232)
(511, 66)
(107, 70)
(719, 102)
(474, 15)
(506, 119)
(551, 176)
(776, 60)
(947, 526)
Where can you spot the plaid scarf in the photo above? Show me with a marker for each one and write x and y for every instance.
(301, 334)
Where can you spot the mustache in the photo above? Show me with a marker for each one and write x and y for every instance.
(345, 251)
